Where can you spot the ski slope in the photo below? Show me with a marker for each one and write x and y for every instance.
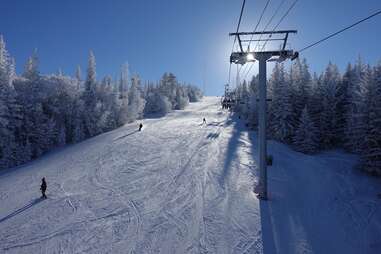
(183, 187)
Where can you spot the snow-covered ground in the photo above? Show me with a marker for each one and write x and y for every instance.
(183, 187)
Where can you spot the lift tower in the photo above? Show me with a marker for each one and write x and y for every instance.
(262, 56)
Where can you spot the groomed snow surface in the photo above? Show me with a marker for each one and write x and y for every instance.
(183, 187)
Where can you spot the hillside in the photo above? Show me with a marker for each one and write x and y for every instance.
(183, 187)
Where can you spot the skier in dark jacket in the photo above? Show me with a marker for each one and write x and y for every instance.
(140, 126)
(204, 121)
(43, 187)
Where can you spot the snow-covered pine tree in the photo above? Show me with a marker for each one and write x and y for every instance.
(39, 112)
(135, 101)
(371, 152)
(39, 130)
(300, 81)
(124, 81)
(305, 139)
(163, 104)
(314, 104)
(31, 67)
(182, 100)
(329, 98)
(123, 95)
(345, 96)
(281, 120)
(168, 86)
(90, 99)
(354, 130)
(60, 72)
(78, 122)
(10, 111)
(109, 109)
(253, 104)
(78, 77)
(61, 136)
(6, 101)
(243, 99)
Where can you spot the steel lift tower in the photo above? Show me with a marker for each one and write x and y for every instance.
(242, 57)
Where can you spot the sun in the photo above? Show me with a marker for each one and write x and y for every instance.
(250, 57)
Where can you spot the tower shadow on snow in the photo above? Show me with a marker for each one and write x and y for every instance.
(124, 136)
(279, 219)
(231, 152)
(18, 211)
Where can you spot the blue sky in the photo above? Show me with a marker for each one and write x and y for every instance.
(187, 37)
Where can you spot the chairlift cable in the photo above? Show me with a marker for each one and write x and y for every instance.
(276, 26)
(340, 31)
(235, 38)
(255, 29)
(264, 29)
(269, 22)
(280, 21)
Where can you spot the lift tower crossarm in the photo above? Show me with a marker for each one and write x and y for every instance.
(265, 32)
(241, 56)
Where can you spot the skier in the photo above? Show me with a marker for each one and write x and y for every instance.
(140, 126)
(204, 121)
(43, 187)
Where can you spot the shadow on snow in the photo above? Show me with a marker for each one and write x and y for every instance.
(26, 207)
(232, 146)
(124, 136)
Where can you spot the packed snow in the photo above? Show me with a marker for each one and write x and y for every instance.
(181, 186)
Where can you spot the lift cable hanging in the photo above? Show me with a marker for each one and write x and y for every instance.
(235, 38)
(239, 22)
(275, 27)
(280, 21)
(264, 29)
(255, 29)
(340, 31)
(227, 93)
(259, 21)
(269, 22)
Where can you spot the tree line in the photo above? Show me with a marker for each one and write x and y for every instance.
(39, 112)
(319, 112)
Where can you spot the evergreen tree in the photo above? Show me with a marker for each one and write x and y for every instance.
(40, 112)
(10, 110)
(31, 68)
(371, 152)
(345, 95)
(89, 97)
(281, 116)
(123, 95)
(124, 81)
(181, 99)
(78, 76)
(253, 104)
(6, 99)
(136, 102)
(300, 80)
(78, 122)
(305, 139)
(354, 130)
(329, 97)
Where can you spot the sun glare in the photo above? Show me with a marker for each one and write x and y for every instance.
(250, 57)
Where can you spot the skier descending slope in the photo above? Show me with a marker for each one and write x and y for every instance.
(140, 126)
(43, 187)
